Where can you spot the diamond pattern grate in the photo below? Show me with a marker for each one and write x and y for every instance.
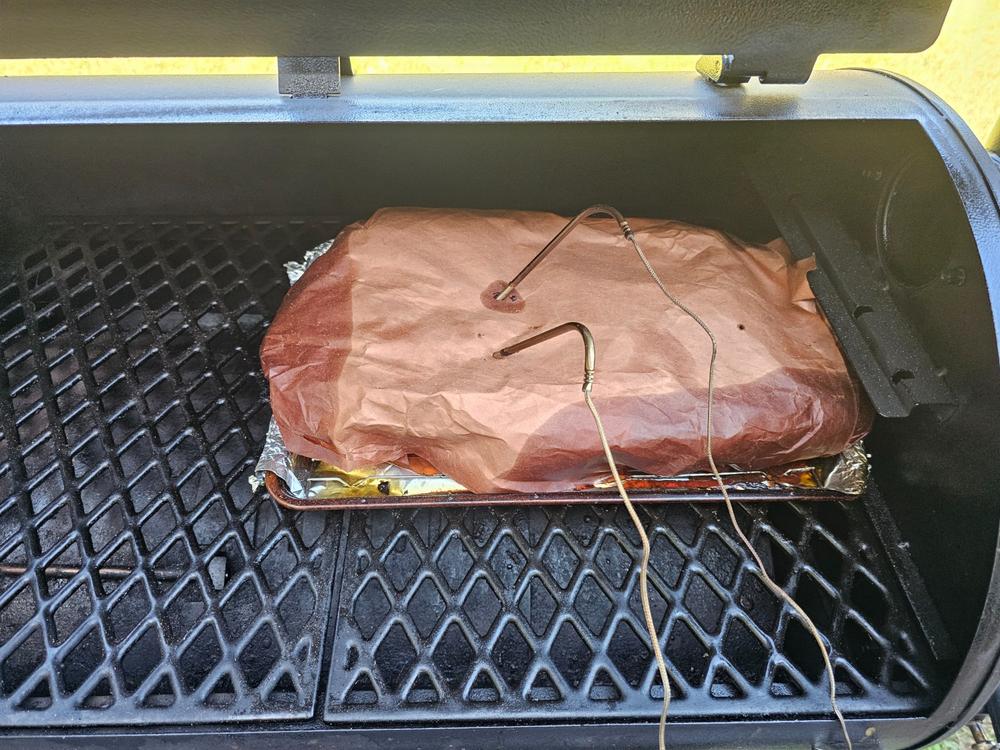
(533, 613)
(140, 579)
(142, 582)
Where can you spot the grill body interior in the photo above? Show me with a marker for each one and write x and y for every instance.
(144, 585)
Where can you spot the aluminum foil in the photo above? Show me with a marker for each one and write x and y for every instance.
(295, 268)
(848, 472)
(387, 480)
(275, 456)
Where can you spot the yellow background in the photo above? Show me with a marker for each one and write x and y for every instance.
(960, 66)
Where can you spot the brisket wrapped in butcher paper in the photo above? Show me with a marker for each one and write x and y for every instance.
(383, 351)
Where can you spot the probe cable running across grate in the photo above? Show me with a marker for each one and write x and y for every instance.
(629, 235)
(590, 364)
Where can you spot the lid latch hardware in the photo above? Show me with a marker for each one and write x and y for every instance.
(315, 77)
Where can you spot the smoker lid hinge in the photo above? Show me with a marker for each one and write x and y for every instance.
(315, 77)
(733, 70)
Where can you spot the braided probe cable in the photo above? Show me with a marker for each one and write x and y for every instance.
(589, 366)
(588, 382)
(647, 612)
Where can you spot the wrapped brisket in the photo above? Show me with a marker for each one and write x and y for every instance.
(383, 351)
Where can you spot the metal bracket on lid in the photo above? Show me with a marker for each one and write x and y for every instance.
(874, 333)
(733, 70)
(315, 77)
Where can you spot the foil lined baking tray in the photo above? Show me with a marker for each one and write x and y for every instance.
(319, 486)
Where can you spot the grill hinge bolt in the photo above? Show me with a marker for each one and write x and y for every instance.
(311, 77)
(735, 69)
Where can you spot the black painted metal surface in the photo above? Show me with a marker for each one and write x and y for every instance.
(884, 349)
(781, 38)
(848, 96)
(143, 581)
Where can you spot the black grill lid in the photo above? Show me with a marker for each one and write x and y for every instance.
(777, 39)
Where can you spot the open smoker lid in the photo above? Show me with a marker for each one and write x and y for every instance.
(775, 39)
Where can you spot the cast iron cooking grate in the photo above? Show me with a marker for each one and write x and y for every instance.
(140, 578)
(532, 613)
(142, 582)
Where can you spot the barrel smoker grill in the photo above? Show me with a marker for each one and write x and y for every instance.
(149, 597)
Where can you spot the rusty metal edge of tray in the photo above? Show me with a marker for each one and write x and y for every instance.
(279, 491)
